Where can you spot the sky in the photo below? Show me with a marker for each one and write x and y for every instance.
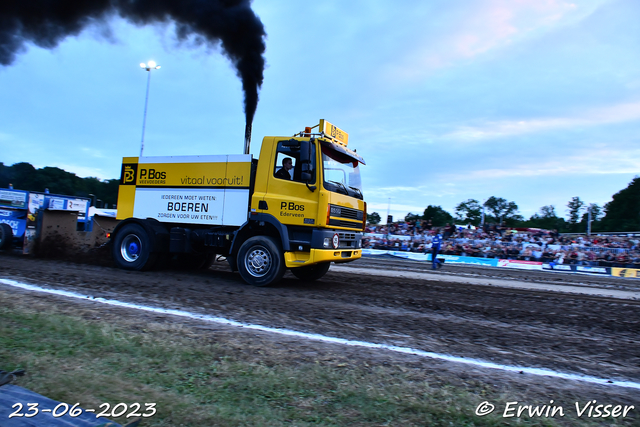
(534, 101)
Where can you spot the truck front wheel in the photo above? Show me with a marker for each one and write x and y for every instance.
(310, 273)
(260, 261)
(132, 248)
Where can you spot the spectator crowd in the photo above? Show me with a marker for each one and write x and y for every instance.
(497, 241)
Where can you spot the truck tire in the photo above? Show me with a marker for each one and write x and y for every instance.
(310, 273)
(260, 261)
(132, 249)
(6, 236)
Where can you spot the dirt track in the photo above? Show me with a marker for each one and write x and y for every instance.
(573, 333)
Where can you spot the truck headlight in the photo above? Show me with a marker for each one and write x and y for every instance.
(327, 242)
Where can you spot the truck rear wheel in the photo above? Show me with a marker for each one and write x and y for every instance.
(132, 248)
(310, 273)
(6, 236)
(260, 261)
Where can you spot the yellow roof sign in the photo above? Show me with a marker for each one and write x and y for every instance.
(334, 132)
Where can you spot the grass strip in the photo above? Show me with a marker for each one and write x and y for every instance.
(198, 383)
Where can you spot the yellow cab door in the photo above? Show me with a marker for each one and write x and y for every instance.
(288, 197)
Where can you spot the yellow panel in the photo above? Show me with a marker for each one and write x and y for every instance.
(334, 132)
(209, 174)
(316, 256)
(625, 272)
(292, 203)
(327, 197)
(126, 198)
(239, 173)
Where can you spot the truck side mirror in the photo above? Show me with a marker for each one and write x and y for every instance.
(306, 154)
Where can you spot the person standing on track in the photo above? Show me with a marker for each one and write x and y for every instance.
(436, 242)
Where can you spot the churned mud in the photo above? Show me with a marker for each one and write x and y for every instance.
(572, 324)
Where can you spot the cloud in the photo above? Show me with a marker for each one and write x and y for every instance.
(402, 199)
(93, 152)
(476, 30)
(591, 161)
(619, 113)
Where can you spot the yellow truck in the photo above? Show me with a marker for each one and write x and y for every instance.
(299, 206)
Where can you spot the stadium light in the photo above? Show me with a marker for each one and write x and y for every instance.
(151, 65)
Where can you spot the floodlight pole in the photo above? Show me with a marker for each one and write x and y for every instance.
(148, 67)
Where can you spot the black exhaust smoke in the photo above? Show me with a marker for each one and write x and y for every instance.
(232, 23)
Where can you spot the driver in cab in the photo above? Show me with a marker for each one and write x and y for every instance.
(283, 172)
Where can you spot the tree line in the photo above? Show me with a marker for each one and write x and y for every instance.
(23, 176)
(622, 213)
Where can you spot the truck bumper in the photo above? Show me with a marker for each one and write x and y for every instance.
(317, 256)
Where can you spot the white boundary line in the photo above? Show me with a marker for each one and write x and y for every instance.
(334, 340)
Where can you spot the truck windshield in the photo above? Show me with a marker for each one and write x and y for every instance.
(341, 173)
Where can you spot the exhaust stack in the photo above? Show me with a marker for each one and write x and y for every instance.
(247, 138)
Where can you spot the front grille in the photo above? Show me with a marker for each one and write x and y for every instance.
(347, 236)
(347, 240)
(343, 212)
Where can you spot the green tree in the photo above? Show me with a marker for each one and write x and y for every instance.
(5, 176)
(469, 211)
(109, 191)
(412, 217)
(545, 218)
(437, 215)
(58, 181)
(575, 208)
(503, 211)
(623, 211)
(548, 211)
(24, 176)
(374, 218)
